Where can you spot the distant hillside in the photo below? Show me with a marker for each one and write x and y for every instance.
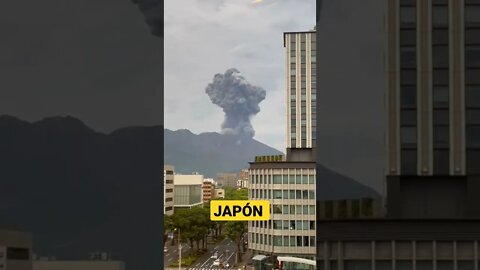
(80, 191)
(211, 153)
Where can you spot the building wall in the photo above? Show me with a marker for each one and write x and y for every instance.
(383, 255)
(291, 192)
(168, 187)
(207, 190)
(188, 190)
(218, 193)
(16, 250)
(78, 265)
(300, 52)
(433, 69)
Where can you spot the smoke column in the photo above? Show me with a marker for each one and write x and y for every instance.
(238, 99)
(153, 12)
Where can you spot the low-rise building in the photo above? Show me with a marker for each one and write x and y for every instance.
(208, 190)
(218, 193)
(188, 190)
(227, 179)
(168, 186)
(15, 249)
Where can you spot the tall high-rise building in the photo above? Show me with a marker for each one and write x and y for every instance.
(301, 84)
(168, 186)
(289, 183)
(433, 103)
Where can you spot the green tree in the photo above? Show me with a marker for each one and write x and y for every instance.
(168, 226)
(235, 231)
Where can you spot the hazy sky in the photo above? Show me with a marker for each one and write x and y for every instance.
(203, 38)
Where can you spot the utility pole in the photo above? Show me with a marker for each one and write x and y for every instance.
(179, 251)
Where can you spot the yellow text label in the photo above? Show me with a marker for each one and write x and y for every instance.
(239, 210)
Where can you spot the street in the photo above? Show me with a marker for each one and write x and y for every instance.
(172, 254)
(226, 251)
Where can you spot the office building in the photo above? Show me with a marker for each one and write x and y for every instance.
(301, 84)
(433, 207)
(433, 103)
(15, 249)
(187, 190)
(290, 188)
(168, 186)
(288, 182)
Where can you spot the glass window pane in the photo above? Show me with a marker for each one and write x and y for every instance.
(407, 57)
(444, 265)
(440, 56)
(465, 265)
(408, 77)
(408, 118)
(472, 14)
(408, 96)
(409, 161)
(407, 15)
(440, 16)
(472, 76)
(473, 136)
(277, 179)
(440, 96)
(440, 77)
(472, 56)
(408, 135)
(441, 162)
(441, 117)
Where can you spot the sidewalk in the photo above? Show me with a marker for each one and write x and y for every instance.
(245, 257)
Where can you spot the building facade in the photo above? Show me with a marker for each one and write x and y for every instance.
(290, 188)
(433, 104)
(15, 250)
(219, 193)
(207, 190)
(188, 190)
(301, 84)
(168, 186)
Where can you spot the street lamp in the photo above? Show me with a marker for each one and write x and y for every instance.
(179, 250)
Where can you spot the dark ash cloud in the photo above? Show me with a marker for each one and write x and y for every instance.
(238, 99)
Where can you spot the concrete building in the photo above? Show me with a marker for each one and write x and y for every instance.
(78, 265)
(15, 249)
(207, 190)
(218, 193)
(242, 181)
(226, 179)
(289, 183)
(433, 161)
(301, 82)
(188, 190)
(290, 187)
(168, 186)
(433, 105)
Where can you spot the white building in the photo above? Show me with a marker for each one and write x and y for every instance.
(168, 187)
(188, 190)
(290, 183)
(301, 83)
(15, 250)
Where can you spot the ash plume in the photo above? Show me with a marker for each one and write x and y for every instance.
(238, 99)
(153, 12)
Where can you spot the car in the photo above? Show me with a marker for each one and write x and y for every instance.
(165, 249)
(215, 255)
(216, 262)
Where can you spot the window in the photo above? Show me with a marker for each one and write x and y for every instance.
(441, 162)
(277, 224)
(472, 36)
(277, 240)
(408, 77)
(440, 36)
(440, 16)
(409, 161)
(472, 76)
(407, 57)
(277, 209)
(472, 56)
(277, 179)
(472, 96)
(408, 37)
(472, 14)
(14, 253)
(277, 194)
(285, 209)
(407, 15)
(408, 135)
(440, 117)
(473, 117)
(440, 77)
(440, 56)
(440, 96)
(408, 96)
(473, 136)
(408, 118)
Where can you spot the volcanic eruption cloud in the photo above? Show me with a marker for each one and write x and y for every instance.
(238, 99)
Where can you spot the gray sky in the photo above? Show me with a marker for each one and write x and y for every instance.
(205, 37)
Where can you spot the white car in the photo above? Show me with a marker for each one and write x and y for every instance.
(216, 262)
(215, 255)
(165, 249)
